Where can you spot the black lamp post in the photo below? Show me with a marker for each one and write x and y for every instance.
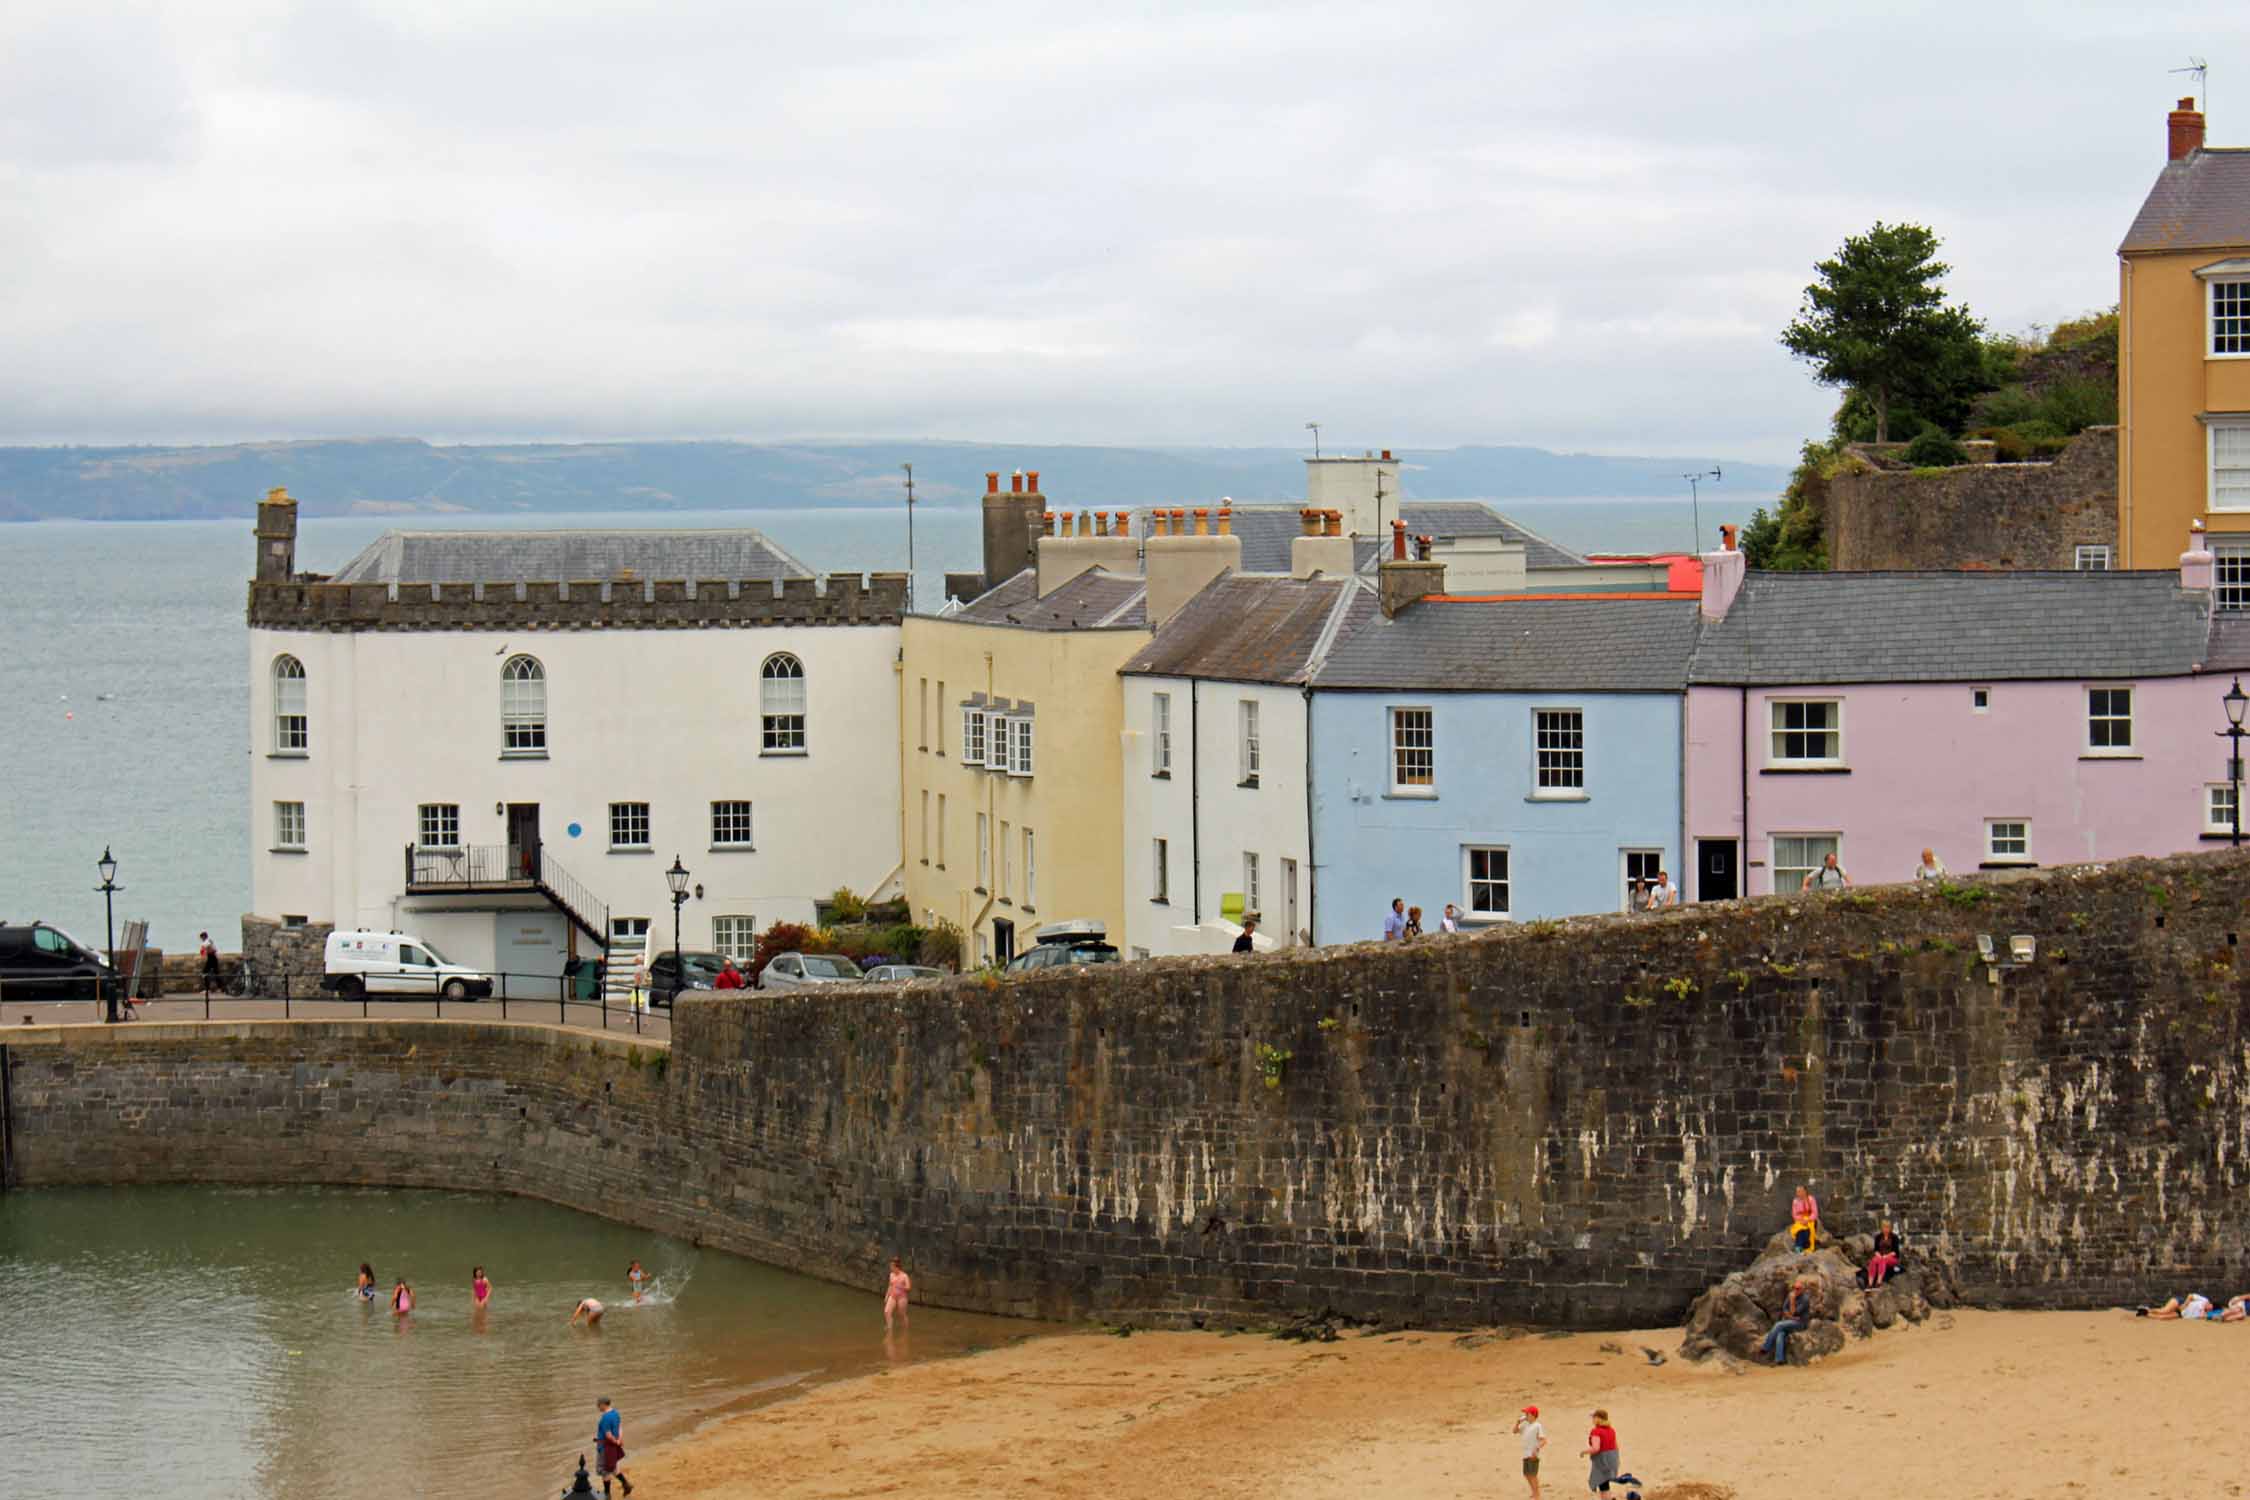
(109, 888)
(2236, 701)
(677, 878)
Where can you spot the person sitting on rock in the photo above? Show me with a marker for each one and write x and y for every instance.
(1804, 1219)
(1883, 1264)
(1796, 1317)
(2197, 1306)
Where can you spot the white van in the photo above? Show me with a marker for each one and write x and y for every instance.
(396, 963)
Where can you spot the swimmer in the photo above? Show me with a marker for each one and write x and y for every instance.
(480, 1290)
(636, 1276)
(589, 1308)
(894, 1299)
(365, 1290)
(402, 1299)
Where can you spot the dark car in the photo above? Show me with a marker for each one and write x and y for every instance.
(39, 958)
(1061, 944)
(664, 971)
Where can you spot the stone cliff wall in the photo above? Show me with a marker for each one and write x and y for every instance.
(1978, 515)
(1583, 1123)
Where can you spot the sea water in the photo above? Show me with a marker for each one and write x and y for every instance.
(124, 686)
(191, 1341)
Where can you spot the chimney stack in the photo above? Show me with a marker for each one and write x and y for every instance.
(2198, 568)
(2183, 130)
(1012, 525)
(277, 537)
(1400, 582)
(1722, 576)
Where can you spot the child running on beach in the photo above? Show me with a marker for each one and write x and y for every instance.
(894, 1298)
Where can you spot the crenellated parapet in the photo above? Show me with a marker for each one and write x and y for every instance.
(592, 604)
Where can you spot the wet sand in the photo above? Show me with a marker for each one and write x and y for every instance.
(1990, 1405)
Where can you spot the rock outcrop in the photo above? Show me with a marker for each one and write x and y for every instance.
(1732, 1317)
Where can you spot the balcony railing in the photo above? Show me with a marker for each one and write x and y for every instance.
(503, 867)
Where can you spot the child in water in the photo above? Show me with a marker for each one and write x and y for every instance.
(636, 1276)
(894, 1299)
(402, 1299)
(365, 1290)
(480, 1290)
(590, 1309)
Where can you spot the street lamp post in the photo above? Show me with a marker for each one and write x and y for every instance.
(109, 888)
(2235, 701)
(677, 879)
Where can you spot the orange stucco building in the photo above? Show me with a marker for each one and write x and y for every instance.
(2183, 379)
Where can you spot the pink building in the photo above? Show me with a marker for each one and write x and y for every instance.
(1999, 719)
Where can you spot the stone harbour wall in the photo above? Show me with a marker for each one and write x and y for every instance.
(1582, 1123)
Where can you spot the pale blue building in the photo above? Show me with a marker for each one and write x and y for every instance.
(1519, 757)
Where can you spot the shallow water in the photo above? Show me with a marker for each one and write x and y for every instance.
(204, 1341)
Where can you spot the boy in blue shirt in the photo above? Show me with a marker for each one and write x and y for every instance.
(609, 1445)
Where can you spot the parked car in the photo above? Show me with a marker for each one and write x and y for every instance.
(902, 973)
(396, 963)
(805, 971)
(1060, 944)
(702, 971)
(39, 958)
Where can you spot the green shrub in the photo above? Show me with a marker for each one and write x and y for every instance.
(780, 938)
(1934, 450)
(941, 947)
(846, 905)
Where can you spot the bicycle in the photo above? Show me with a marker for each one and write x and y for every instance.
(243, 982)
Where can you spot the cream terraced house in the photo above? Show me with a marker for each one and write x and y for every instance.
(500, 741)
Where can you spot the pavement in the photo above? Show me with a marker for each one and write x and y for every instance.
(655, 1025)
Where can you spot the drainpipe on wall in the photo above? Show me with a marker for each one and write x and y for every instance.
(2125, 421)
(1687, 871)
(1312, 861)
(1195, 809)
(1742, 850)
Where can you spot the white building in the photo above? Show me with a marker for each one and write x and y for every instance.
(501, 740)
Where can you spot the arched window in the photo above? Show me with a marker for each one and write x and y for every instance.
(523, 707)
(290, 734)
(781, 703)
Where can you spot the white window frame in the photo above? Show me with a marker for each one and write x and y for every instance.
(1252, 884)
(724, 942)
(2093, 557)
(1030, 872)
(2130, 750)
(1163, 856)
(433, 821)
(2238, 482)
(984, 851)
(1397, 750)
(1247, 749)
(289, 826)
(1796, 873)
(1567, 768)
(622, 817)
(2219, 799)
(1019, 745)
(1980, 700)
(782, 705)
(731, 816)
(1470, 881)
(972, 735)
(523, 708)
(1160, 734)
(628, 928)
(292, 724)
(1653, 858)
(1774, 730)
(2238, 294)
(1993, 854)
(2230, 572)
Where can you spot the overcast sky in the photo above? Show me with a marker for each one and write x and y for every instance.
(1420, 224)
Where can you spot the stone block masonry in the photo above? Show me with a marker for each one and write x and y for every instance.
(1978, 515)
(1580, 1123)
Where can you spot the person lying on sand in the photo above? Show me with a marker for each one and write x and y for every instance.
(2195, 1307)
(2238, 1309)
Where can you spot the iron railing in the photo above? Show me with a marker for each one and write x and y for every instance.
(491, 867)
(517, 997)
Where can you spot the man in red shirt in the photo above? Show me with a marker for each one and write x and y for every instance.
(730, 977)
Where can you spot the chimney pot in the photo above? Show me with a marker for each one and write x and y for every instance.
(1311, 522)
(1015, 483)
(1156, 520)
(1386, 455)
(992, 481)
(1332, 523)
(1726, 538)
(1422, 546)
(1031, 481)
(1179, 521)
(1124, 524)
(1101, 523)
(1398, 541)
(1226, 521)
(2183, 130)
(1203, 520)
(1046, 523)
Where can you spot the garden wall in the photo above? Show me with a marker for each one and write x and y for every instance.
(1977, 515)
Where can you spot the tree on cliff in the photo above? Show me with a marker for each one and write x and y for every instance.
(1876, 322)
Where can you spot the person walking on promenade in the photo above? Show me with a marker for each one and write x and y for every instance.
(1394, 924)
(1534, 1439)
(1931, 867)
(209, 952)
(1796, 1317)
(895, 1294)
(1831, 876)
(1243, 941)
(1804, 1218)
(609, 1445)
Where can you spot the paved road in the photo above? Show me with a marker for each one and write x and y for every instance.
(656, 1025)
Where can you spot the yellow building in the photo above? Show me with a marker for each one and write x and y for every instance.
(1012, 718)
(2184, 361)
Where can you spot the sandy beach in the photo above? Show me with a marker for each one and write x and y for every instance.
(1990, 1405)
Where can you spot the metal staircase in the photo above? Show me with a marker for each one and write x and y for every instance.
(503, 869)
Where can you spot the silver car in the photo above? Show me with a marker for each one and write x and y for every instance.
(902, 973)
(808, 971)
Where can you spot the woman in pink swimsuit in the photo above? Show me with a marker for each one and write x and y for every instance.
(402, 1299)
(894, 1300)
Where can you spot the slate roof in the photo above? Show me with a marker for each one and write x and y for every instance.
(1255, 629)
(568, 556)
(1267, 531)
(2201, 201)
(1827, 628)
(1093, 600)
(2230, 642)
(1527, 643)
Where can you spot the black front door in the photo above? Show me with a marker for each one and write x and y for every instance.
(523, 840)
(1718, 876)
(1003, 941)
